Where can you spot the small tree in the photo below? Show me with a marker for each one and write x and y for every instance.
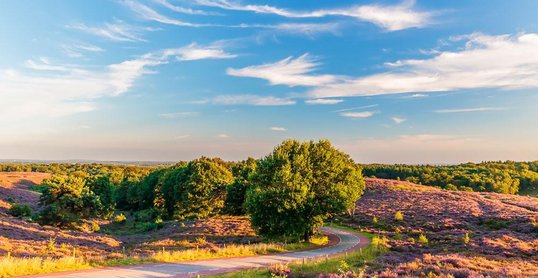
(300, 184)
(66, 201)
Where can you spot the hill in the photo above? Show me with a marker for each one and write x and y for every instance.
(502, 230)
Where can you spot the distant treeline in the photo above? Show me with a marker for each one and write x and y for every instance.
(501, 177)
(116, 172)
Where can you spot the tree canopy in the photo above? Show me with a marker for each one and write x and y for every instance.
(299, 185)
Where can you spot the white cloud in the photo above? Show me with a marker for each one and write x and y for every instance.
(176, 115)
(276, 128)
(223, 135)
(308, 29)
(52, 90)
(289, 71)
(179, 9)
(44, 64)
(356, 108)
(117, 31)
(251, 100)
(197, 52)
(467, 110)
(74, 50)
(398, 120)
(505, 62)
(416, 96)
(152, 15)
(392, 18)
(181, 137)
(365, 114)
(326, 101)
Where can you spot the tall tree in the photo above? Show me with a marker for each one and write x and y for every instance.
(299, 185)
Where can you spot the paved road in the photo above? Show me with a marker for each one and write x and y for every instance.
(347, 241)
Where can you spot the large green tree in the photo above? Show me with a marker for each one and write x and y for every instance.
(236, 191)
(197, 189)
(299, 185)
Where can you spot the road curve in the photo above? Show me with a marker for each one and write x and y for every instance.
(347, 241)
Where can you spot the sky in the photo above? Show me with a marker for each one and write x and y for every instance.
(442, 81)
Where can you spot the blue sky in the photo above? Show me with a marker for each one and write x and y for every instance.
(168, 80)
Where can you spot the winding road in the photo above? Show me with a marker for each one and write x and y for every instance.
(345, 242)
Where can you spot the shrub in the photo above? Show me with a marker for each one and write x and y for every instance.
(374, 220)
(423, 239)
(20, 210)
(398, 216)
(120, 218)
(95, 227)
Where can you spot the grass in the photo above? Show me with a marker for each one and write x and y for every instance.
(354, 261)
(12, 266)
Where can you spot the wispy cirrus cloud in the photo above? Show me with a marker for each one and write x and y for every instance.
(278, 128)
(324, 101)
(289, 71)
(152, 15)
(359, 115)
(76, 50)
(180, 9)
(48, 90)
(503, 62)
(194, 51)
(388, 17)
(470, 110)
(117, 31)
(251, 100)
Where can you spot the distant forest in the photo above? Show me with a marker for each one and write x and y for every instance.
(496, 176)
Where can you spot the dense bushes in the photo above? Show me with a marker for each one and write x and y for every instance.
(68, 200)
(502, 177)
(20, 210)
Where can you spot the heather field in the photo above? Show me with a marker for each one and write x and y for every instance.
(432, 231)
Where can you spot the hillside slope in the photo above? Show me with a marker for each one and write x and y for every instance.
(502, 229)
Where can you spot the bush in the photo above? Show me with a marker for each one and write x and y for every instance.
(398, 216)
(20, 210)
(423, 239)
(120, 218)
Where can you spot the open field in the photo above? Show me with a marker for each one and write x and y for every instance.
(431, 238)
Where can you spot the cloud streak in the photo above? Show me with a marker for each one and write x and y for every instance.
(504, 62)
(357, 115)
(388, 17)
(289, 71)
(468, 110)
(251, 100)
(117, 31)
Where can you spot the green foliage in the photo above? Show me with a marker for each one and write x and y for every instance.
(398, 216)
(502, 177)
(236, 192)
(66, 201)
(196, 190)
(493, 223)
(20, 210)
(103, 188)
(300, 184)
